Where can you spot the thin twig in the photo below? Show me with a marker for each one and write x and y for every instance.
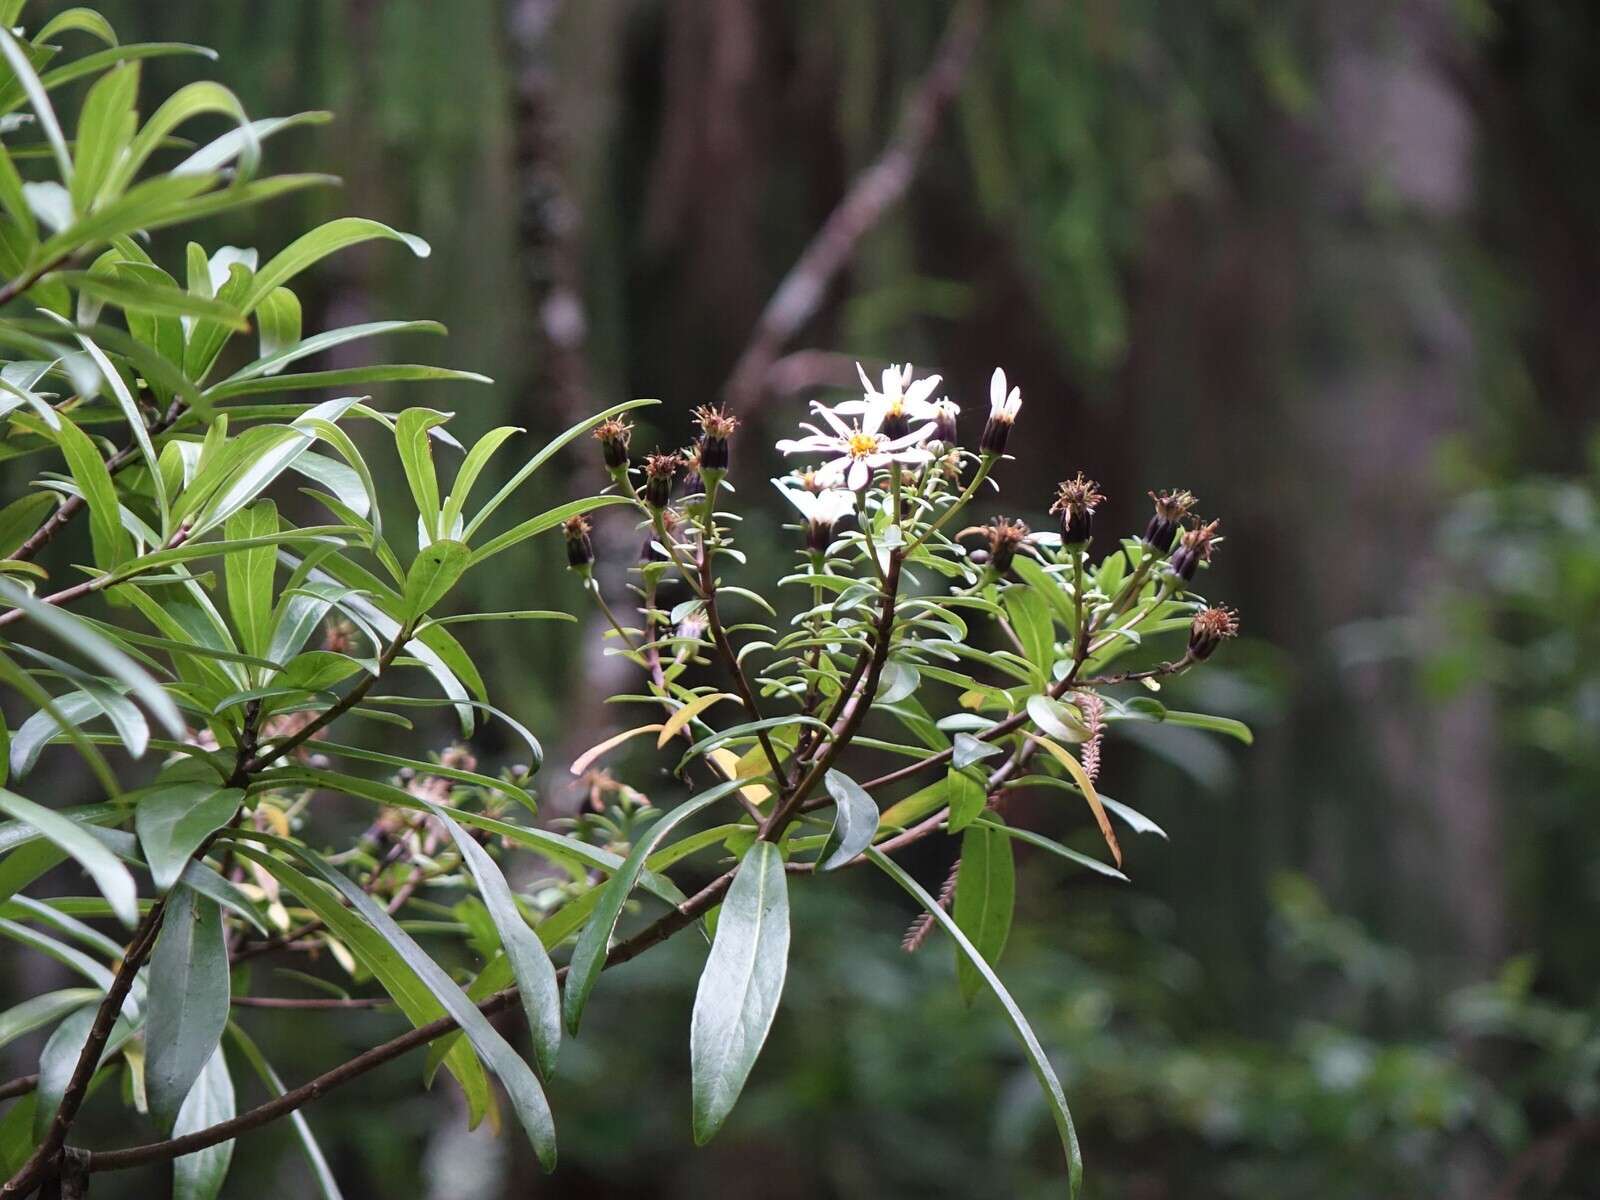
(872, 194)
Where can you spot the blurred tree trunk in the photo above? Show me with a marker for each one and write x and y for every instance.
(1400, 135)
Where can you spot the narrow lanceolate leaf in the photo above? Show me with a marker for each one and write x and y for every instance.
(740, 987)
(1030, 619)
(522, 1087)
(855, 821)
(1042, 1069)
(199, 1176)
(416, 455)
(965, 797)
(83, 638)
(589, 956)
(249, 574)
(308, 1143)
(112, 545)
(188, 1004)
(680, 718)
(530, 962)
(172, 820)
(109, 875)
(986, 893)
(1086, 786)
(433, 573)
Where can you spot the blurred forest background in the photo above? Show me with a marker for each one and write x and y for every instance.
(1332, 264)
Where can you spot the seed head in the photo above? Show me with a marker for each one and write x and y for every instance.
(580, 548)
(1193, 549)
(1171, 509)
(1076, 500)
(659, 472)
(1209, 629)
(716, 427)
(614, 436)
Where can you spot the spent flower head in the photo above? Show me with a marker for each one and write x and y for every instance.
(1171, 508)
(614, 435)
(1076, 500)
(1210, 628)
(1193, 549)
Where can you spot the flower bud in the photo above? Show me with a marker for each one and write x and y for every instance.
(580, 549)
(944, 423)
(716, 427)
(1171, 508)
(659, 472)
(1211, 626)
(1076, 500)
(614, 436)
(1193, 549)
(1003, 409)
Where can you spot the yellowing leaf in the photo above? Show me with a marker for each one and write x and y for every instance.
(583, 762)
(732, 767)
(676, 722)
(1086, 785)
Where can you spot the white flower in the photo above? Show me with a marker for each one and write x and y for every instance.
(1003, 409)
(1003, 406)
(822, 508)
(858, 450)
(900, 402)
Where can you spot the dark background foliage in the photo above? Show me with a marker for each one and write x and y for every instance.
(1331, 265)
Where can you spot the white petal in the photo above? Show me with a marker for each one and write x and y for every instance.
(839, 426)
(997, 391)
(913, 455)
(919, 391)
(866, 384)
(860, 475)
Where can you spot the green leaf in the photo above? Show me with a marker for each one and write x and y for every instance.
(968, 750)
(59, 1059)
(271, 364)
(855, 822)
(278, 319)
(199, 1176)
(522, 1087)
(1042, 1069)
(308, 1144)
(471, 467)
(172, 820)
(433, 573)
(1225, 725)
(1056, 848)
(538, 460)
(342, 377)
(1048, 587)
(22, 68)
(104, 129)
(965, 797)
(740, 987)
(112, 545)
(188, 1000)
(45, 1009)
(375, 953)
(986, 892)
(249, 574)
(312, 247)
(134, 295)
(530, 962)
(537, 525)
(1057, 719)
(416, 455)
(589, 955)
(21, 517)
(109, 875)
(1029, 614)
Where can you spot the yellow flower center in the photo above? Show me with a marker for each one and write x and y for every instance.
(861, 444)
